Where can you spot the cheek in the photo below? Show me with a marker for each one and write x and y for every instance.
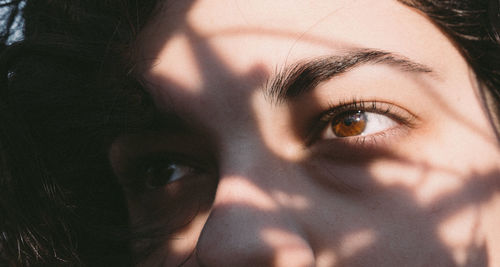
(430, 191)
(167, 221)
(449, 161)
(363, 222)
(448, 174)
(454, 145)
(423, 181)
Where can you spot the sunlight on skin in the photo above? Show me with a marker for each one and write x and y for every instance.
(237, 20)
(280, 140)
(491, 224)
(179, 50)
(429, 184)
(185, 245)
(281, 241)
(261, 156)
(180, 250)
(434, 173)
(351, 244)
(237, 60)
(295, 201)
(460, 231)
(355, 242)
(242, 191)
(326, 258)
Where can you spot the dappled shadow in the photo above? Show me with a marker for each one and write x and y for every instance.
(366, 220)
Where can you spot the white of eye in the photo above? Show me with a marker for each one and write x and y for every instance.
(179, 171)
(373, 123)
(376, 123)
(161, 175)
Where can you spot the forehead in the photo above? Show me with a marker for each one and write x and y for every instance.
(283, 30)
(213, 52)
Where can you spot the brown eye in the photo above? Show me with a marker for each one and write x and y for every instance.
(349, 124)
(159, 175)
(356, 121)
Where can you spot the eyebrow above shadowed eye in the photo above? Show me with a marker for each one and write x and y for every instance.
(302, 77)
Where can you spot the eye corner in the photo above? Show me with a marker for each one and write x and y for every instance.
(154, 171)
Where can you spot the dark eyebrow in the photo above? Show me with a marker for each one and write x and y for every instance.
(304, 76)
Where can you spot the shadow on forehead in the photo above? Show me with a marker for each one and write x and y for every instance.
(301, 77)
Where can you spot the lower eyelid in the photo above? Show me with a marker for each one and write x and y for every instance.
(381, 139)
(403, 119)
(359, 148)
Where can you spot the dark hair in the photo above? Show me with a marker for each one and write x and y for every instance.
(474, 27)
(67, 89)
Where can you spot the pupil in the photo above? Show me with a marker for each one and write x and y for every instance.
(158, 177)
(349, 124)
(348, 121)
(352, 118)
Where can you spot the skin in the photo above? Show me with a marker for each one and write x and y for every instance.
(253, 188)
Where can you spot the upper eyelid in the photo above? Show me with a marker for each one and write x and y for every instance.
(134, 164)
(326, 116)
(381, 107)
(195, 162)
(134, 174)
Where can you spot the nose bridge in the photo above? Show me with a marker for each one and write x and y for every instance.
(249, 173)
(247, 226)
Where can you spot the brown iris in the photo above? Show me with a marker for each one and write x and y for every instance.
(349, 124)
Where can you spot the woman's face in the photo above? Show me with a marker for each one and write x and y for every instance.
(309, 133)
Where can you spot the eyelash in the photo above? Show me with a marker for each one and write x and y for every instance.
(138, 180)
(394, 112)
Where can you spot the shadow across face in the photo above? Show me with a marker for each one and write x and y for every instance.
(254, 189)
